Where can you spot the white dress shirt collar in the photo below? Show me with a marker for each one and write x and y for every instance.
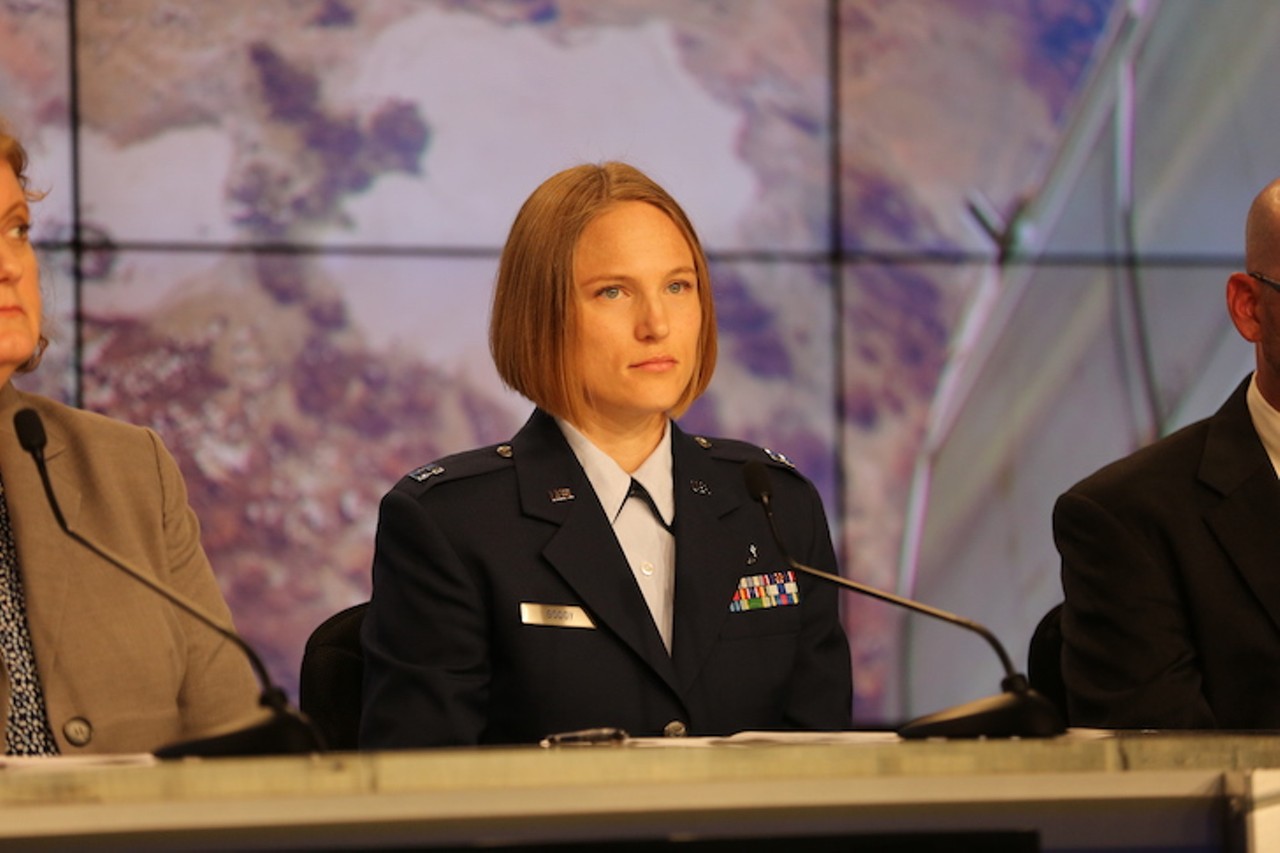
(1266, 421)
(611, 483)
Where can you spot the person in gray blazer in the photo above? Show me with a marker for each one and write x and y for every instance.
(93, 662)
(1171, 556)
(602, 568)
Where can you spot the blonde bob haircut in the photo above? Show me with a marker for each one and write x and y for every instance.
(535, 320)
(12, 152)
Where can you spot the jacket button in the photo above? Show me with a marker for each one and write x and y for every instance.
(675, 728)
(78, 731)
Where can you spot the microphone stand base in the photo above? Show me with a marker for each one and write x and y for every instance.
(1023, 714)
(283, 733)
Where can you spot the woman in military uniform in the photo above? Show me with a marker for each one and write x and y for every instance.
(603, 568)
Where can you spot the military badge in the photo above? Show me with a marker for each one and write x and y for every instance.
(759, 592)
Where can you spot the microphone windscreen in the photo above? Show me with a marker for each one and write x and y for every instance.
(757, 477)
(30, 430)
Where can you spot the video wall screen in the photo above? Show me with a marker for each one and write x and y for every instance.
(271, 230)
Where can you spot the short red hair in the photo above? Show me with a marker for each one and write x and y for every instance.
(533, 323)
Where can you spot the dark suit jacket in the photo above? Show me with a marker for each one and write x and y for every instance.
(1171, 568)
(121, 669)
(450, 661)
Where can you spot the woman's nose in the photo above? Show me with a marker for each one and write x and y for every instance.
(652, 322)
(11, 261)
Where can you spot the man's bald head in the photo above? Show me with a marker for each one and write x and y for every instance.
(1262, 232)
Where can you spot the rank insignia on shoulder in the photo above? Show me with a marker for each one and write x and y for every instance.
(504, 450)
(780, 458)
(426, 472)
(702, 441)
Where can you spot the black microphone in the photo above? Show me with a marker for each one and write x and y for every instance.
(287, 731)
(1017, 712)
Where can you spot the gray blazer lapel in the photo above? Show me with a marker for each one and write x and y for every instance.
(1247, 520)
(48, 557)
(584, 551)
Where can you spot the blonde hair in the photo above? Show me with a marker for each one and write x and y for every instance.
(534, 320)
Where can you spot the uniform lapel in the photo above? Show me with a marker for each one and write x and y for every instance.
(710, 554)
(1247, 520)
(584, 551)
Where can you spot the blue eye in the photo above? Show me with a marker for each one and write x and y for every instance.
(679, 287)
(611, 292)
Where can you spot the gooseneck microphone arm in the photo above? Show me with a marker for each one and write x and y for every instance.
(1019, 712)
(757, 477)
(31, 436)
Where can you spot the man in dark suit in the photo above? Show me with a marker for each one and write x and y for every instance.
(1171, 556)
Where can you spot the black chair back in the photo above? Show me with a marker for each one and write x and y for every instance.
(332, 674)
(1044, 660)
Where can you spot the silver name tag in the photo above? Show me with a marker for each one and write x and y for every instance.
(555, 615)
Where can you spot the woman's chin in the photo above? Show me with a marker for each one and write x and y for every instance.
(15, 351)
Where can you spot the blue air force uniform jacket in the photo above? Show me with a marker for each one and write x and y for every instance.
(504, 610)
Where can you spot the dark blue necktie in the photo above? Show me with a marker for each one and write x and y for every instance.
(639, 491)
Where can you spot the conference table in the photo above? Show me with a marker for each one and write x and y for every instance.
(1086, 790)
